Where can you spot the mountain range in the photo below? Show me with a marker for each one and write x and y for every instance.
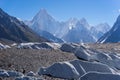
(79, 33)
(43, 27)
(73, 30)
(13, 30)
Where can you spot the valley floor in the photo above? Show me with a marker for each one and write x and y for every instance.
(25, 60)
(108, 47)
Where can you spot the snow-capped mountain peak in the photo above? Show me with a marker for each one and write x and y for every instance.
(42, 15)
(103, 27)
(43, 11)
(84, 22)
(43, 21)
(45, 25)
(72, 22)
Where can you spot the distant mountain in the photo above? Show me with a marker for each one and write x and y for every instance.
(11, 29)
(66, 26)
(113, 35)
(80, 29)
(78, 34)
(103, 27)
(91, 33)
(96, 34)
(99, 30)
(43, 21)
(45, 25)
(50, 37)
(84, 22)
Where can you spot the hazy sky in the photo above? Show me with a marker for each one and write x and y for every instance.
(95, 11)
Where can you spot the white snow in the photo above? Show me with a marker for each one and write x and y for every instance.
(31, 73)
(54, 45)
(1, 46)
(70, 28)
(103, 27)
(104, 40)
(36, 45)
(14, 44)
(4, 46)
(84, 22)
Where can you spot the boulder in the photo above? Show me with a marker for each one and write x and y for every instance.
(83, 67)
(68, 48)
(82, 54)
(62, 70)
(100, 76)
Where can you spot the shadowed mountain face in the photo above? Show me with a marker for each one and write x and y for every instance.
(113, 35)
(14, 30)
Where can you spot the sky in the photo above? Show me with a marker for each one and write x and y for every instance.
(95, 11)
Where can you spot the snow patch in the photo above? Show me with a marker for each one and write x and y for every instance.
(4, 46)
